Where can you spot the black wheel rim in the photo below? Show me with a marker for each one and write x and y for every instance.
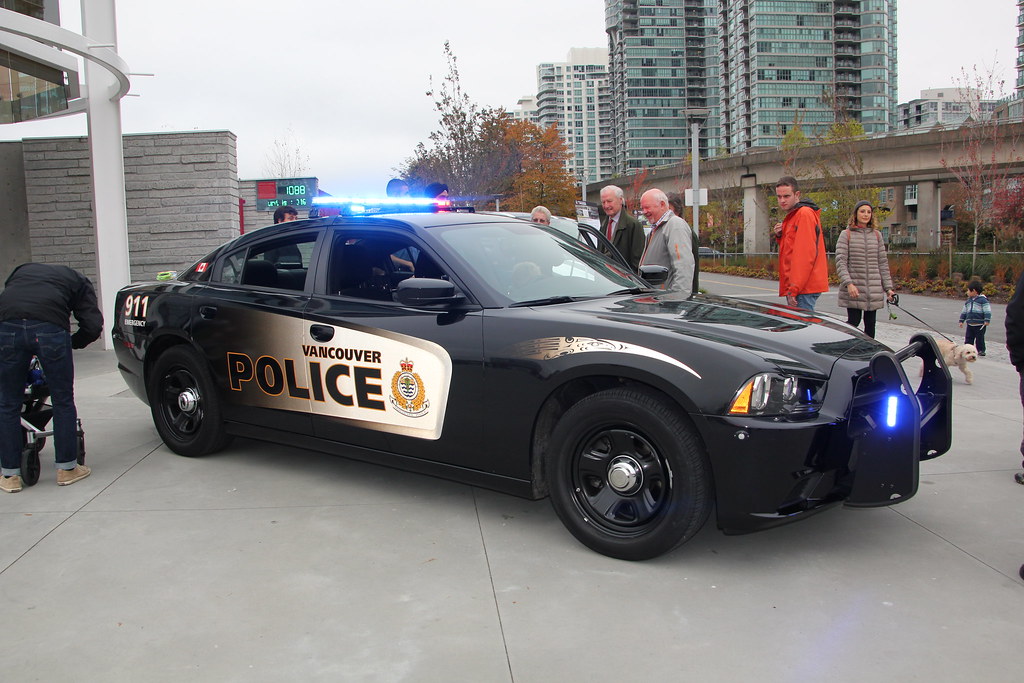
(181, 403)
(620, 482)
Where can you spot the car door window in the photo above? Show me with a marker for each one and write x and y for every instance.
(278, 264)
(371, 266)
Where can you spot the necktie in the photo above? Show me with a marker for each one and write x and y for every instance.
(611, 228)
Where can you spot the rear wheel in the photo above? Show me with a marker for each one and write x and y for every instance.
(184, 403)
(30, 466)
(628, 476)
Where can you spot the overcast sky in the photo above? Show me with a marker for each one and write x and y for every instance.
(346, 79)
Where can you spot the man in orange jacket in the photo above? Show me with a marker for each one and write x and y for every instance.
(803, 261)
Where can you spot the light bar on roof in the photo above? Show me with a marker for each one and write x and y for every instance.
(370, 205)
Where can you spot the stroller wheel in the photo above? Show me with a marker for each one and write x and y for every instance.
(30, 464)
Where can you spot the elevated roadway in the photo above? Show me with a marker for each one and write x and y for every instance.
(898, 160)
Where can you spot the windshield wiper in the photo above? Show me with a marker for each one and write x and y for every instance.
(635, 290)
(562, 299)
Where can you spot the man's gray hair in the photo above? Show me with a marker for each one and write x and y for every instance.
(614, 188)
(542, 209)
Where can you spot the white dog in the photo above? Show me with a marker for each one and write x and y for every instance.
(959, 355)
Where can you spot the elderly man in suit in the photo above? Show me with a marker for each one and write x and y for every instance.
(618, 225)
(670, 243)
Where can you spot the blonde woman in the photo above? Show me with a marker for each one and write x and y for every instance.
(863, 268)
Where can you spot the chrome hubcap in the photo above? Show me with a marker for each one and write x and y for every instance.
(625, 475)
(188, 400)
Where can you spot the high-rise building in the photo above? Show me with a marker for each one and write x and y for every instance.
(946, 106)
(1020, 48)
(663, 67)
(573, 96)
(803, 62)
(526, 109)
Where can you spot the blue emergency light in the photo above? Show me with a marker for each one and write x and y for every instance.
(891, 409)
(368, 206)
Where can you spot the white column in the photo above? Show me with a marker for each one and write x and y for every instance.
(755, 217)
(105, 149)
(928, 215)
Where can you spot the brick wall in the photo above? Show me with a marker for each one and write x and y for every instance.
(181, 193)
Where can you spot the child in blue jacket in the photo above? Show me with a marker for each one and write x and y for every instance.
(976, 314)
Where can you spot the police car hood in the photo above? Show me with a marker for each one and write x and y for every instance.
(787, 337)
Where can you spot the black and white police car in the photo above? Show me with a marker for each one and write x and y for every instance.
(508, 355)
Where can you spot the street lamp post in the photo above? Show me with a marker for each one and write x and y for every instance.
(695, 117)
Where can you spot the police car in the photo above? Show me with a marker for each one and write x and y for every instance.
(508, 355)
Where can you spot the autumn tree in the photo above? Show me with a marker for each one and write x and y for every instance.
(466, 151)
(542, 177)
(1008, 210)
(794, 146)
(971, 155)
(481, 153)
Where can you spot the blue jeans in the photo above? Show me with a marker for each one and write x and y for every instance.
(19, 341)
(807, 300)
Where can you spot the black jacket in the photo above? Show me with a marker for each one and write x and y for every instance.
(1015, 326)
(52, 294)
(628, 237)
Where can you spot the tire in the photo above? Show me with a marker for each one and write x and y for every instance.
(81, 444)
(627, 474)
(184, 403)
(30, 467)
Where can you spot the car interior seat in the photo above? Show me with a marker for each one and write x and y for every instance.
(259, 273)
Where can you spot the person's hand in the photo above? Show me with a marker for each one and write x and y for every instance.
(777, 230)
(791, 299)
(852, 290)
(961, 324)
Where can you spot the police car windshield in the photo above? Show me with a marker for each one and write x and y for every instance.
(526, 262)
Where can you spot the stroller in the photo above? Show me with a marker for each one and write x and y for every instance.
(35, 416)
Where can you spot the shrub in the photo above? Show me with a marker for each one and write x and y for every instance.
(904, 266)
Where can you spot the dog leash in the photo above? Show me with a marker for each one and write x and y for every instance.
(895, 301)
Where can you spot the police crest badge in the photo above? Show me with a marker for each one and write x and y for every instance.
(407, 393)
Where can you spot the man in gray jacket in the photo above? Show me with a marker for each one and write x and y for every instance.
(669, 244)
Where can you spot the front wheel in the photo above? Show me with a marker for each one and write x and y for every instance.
(184, 403)
(628, 476)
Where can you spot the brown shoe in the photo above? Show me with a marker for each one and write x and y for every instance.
(10, 484)
(65, 477)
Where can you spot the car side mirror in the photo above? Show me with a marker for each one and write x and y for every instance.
(654, 275)
(426, 291)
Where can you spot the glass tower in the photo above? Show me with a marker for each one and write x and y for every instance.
(663, 60)
(804, 62)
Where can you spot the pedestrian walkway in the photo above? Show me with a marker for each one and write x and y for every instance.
(269, 563)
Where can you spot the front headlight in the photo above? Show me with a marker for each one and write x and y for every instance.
(771, 394)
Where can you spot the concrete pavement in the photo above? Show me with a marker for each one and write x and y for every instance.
(266, 563)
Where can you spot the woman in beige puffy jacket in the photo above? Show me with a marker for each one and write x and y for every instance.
(863, 268)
